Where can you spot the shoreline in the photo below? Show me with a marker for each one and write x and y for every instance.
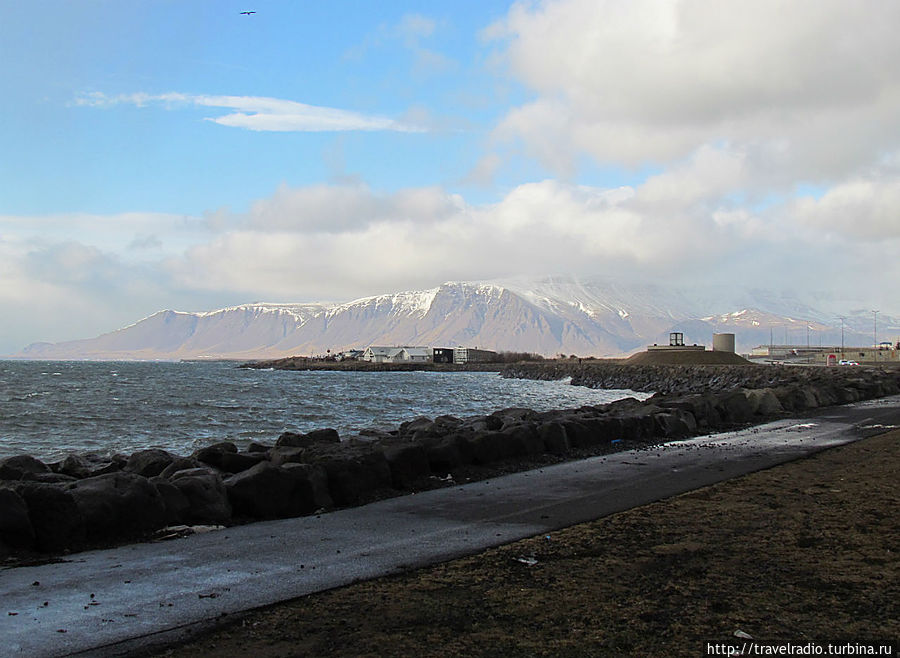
(84, 502)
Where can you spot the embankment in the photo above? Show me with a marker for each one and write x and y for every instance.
(89, 500)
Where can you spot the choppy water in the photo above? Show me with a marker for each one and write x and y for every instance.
(51, 408)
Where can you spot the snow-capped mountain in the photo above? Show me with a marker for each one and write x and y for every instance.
(548, 316)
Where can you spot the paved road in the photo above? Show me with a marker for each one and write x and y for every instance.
(114, 601)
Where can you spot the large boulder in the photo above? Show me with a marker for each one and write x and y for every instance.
(764, 402)
(353, 477)
(90, 465)
(54, 515)
(422, 426)
(675, 423)
(206, 495)
(213, 454)
(177, 504)
(734, 407)
(118, 505)
(408, 463)
(324, 436)
(523, 437)
(149, 462)
(318, 480)
(225, 457)
(15, 526)
(444, 453)
(180, 464)
(553, 434)
(21, 467)
(266, 491)
(488, 447)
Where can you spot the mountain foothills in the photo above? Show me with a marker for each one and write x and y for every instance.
(548, 316)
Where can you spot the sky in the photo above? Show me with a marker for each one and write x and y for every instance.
(182, 154)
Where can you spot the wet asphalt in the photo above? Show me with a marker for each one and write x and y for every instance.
(124, 600)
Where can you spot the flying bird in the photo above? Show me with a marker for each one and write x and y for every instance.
(247, 13)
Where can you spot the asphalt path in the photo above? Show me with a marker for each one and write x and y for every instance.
(118, 601)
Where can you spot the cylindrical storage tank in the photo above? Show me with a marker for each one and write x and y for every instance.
(723, 343)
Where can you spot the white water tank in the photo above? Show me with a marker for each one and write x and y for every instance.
(723, 343)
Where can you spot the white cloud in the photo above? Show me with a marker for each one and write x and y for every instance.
(345, 241)
(858, 210)
(259, 113)
(116, 233)
(810, 87)
(413, 27)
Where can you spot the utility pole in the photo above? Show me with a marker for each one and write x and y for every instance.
(842, 337)
(875, 334)
(808, 356)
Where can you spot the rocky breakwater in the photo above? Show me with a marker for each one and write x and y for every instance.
(89, 500)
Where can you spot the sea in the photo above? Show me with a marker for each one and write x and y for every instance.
(49, 409)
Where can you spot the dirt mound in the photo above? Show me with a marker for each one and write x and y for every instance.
(685, 358)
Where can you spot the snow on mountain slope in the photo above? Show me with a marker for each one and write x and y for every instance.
(548, 316)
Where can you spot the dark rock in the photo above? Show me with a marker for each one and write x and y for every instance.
(287, 455)
(525, 437)
(764, 402)
(318, 480)
(176, 503)
(49, 478)
(554, 437)
(290, 440)
(325, 436)
(351, 478)
(255, 447)
(214, 455)
(408, 463)
(488, 447)
(118, 505)
(446, 423)
(421, 424)
(180, 464)
(18, 466)
(316, 437)
(443, 454)
(149, 462)
(269, 492)
(54, 515)
(206, 495)
(734, 407)
(75, 466)
(240, 461)
(672, 424)
(15, 526)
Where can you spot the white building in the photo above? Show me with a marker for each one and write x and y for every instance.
(401, 354)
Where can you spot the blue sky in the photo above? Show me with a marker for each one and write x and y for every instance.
(178, 154)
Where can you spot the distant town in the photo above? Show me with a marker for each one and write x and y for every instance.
(418, 354)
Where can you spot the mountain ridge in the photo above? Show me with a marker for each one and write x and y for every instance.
(547, 316)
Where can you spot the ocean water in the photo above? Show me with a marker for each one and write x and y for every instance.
(52, 408)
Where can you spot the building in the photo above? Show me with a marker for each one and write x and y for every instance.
(676, 344)
(473, 355)
(443, 355)
(402, 354)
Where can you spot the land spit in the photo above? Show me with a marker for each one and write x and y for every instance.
(87, 501)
